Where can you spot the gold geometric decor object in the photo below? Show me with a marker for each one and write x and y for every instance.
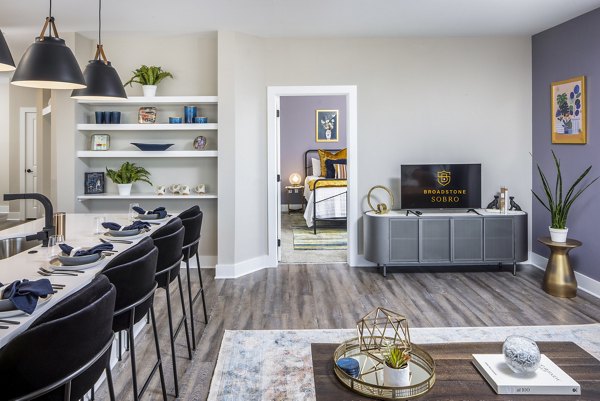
(381, 208)
(381, 328)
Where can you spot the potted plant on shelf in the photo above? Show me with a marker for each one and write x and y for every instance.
(557, 204)
(126, 175)
(149, 78)
(396, 372)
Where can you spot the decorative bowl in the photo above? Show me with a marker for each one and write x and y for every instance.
(152, 146)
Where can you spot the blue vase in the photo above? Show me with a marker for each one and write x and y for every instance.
(189, 112)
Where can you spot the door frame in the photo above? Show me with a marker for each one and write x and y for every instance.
(22, 143)
(273, 167)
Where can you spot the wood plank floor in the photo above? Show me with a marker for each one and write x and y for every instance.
(336, 296)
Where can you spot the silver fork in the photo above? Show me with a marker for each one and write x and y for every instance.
(49, 269)
(44, 273)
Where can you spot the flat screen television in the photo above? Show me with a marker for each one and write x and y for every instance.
(440, 186)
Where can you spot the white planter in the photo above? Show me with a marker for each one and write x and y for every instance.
(558, 234)
(149, 90)
(124, 189)
(396, 377)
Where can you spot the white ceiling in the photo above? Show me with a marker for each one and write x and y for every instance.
(298, 18)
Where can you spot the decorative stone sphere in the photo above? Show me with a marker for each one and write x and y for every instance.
(521, 354)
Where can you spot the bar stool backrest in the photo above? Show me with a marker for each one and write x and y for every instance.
(169, 241)
(193, 228)
(60, 343)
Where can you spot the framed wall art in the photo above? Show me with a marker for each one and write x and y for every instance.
(327, 126)
(94, 183)
(569, 111)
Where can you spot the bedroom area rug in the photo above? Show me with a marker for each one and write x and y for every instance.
(277, 364)
(326, 238)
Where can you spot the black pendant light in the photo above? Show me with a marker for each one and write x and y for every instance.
(6, 60)
(103, 82)
(48, 63)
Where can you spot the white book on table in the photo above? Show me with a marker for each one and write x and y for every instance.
(548, 379)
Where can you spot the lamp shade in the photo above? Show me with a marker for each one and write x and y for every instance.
(6, 61)
(48, 64)
(103, 83)
(295, 179)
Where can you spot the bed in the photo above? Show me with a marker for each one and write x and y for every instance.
(325, 197)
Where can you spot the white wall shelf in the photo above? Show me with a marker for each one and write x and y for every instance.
(108, 196)
(126, 154)
(143, 101)
(148, 127)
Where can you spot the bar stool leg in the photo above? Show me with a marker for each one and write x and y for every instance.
(161, 373)
(120, 346)
(185, 325)
(202, 289)
(189, 285)
(172, 338)
(109, 380)
(132, 357)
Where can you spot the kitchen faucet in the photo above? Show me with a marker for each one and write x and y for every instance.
(48, 229)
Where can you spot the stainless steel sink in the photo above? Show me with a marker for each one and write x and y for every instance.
(12, 246)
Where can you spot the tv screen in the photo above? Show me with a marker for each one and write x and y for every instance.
(440, 186)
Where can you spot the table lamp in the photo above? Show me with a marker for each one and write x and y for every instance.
(295, 179)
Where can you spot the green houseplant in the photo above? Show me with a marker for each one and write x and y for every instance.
(557, 204)
(149, 77)
(126, 175)
(396, 372)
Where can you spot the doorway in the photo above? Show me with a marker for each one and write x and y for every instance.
(277, 181)
(29, 161)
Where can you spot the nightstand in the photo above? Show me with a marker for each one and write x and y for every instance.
(295, 196)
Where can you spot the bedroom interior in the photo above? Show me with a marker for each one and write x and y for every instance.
(397, 269)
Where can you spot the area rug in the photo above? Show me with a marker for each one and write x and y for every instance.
(276, 364)
(326, 238)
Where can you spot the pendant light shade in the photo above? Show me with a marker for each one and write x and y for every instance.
(6, 61)
(103, 83)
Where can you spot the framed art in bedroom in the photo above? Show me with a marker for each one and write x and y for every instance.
(569, 111)
(327, 126)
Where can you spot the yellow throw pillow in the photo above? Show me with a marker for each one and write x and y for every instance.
(326, 155)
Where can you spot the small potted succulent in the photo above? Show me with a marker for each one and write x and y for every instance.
(557, 204)
(126, 175)
(396, 371)
(149, 78)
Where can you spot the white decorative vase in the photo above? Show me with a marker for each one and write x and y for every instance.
(558, 234)
(124, 189)
(149, 90)
(396, 377)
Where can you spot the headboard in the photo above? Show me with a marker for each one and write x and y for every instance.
(308, 155)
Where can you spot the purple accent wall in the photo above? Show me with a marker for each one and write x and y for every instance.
(559, 53)
(297, 131)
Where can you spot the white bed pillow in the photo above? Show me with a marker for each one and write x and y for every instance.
(316, 167)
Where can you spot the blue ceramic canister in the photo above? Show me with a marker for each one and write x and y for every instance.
(99, 117)
(189, 112)
(174, 120)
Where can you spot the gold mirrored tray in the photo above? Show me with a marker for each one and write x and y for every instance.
(370, 379)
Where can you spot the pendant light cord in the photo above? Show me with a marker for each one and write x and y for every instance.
(50, 16)
(99, 22)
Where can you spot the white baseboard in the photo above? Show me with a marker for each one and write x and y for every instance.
(242, 268)
(14, 216)
(584, 283)
(4, 209)
(206, 262)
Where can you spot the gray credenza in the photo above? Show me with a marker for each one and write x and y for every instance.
(394, 239)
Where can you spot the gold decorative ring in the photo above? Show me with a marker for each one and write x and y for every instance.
(381, 208)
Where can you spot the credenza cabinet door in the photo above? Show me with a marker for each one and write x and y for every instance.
(404, 240)
(435, 240)
(499, 240)
(467, 240)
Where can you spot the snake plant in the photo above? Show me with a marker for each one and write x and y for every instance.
(555, 203)
(148, 75)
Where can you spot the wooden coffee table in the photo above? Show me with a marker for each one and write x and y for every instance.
(458, 379)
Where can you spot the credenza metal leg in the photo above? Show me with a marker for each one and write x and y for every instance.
(384, 270)
(514, 268)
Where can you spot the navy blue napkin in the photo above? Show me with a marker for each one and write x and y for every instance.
(24, 294)
(85, 252)
(160, 211)
(135, 226)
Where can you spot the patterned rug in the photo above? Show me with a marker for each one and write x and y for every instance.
(327, 238)
(277, 364)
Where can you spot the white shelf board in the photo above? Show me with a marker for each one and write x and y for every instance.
(47, 110)
(147, 127)
(138, 153)
(145, 196)
(143, 101)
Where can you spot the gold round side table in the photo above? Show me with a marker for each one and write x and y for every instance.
(559, 279)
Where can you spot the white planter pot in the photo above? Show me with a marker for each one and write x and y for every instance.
(124, 189)
(149, 90)
(558, 234)
(396, 377)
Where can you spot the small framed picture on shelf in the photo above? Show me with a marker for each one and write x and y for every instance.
(94, 183)
(100, 142)
(147, 115)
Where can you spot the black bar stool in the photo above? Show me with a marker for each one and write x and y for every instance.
(65, 351)
(132, 273)
(169, 241)
(192, 221)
